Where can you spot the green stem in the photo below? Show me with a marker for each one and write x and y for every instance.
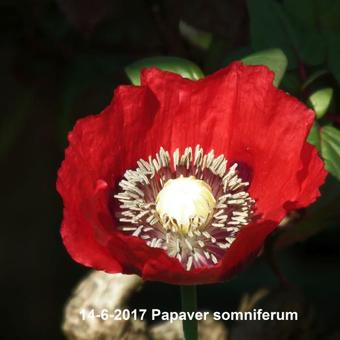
(189, 304)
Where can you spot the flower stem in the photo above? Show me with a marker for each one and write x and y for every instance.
(189, 304)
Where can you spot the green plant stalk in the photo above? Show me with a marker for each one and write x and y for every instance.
(189, 304)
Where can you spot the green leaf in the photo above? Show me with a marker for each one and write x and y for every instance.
(274, 59)
(320, 101)
(183, 67)
(314, 136)
(270, 28)
(195, 36)
(330, 149)
(327, 140)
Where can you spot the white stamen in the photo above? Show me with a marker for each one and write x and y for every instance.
(214, 259)
(215, 203)
(189, 263)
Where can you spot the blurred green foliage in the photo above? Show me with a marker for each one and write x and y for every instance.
(274, 59)
(185, 68)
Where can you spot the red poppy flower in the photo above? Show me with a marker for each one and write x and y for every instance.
(181, 181)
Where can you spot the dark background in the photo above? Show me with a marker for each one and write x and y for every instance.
(60, 60)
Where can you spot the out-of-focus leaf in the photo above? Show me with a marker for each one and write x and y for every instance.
(311, 47)
(183, 67)
(328, 14)
(317, 31)
(330, 149)
(314, 136)
(196, 37)
(270, 28)
(314, 76)
(302, 11)
(304, 17)
(321, 100)
(274, 59)
(333, 46)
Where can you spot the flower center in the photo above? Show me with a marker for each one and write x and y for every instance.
(192, 210)
(184, 204)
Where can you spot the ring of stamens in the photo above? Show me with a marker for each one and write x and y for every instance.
(195, 240)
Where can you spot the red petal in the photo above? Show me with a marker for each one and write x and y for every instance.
(237, 112)
(101, 148)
